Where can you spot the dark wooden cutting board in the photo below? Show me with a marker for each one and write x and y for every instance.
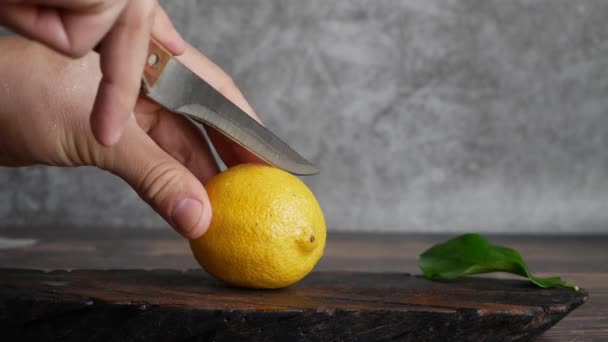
(163, 305)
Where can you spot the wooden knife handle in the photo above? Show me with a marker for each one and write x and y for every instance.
(157, 60)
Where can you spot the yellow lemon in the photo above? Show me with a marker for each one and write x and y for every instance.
(267, 230)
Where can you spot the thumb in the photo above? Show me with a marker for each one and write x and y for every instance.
(160, 180)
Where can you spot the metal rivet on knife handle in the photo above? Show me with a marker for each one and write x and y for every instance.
(157, 60)
(153, 60)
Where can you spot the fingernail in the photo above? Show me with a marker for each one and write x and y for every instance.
(186, 217)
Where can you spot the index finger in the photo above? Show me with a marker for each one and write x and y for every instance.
(123, 54)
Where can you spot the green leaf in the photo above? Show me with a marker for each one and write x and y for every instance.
(472, 254)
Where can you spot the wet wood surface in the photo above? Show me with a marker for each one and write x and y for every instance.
(582, 260)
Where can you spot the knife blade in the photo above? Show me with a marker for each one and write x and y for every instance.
(172, 85)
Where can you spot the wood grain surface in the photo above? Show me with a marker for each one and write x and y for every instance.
(157, 305)
(582, 260)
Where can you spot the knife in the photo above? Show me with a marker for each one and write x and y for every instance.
(172, 85)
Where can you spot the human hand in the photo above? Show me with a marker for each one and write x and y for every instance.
(163, 156)
(121, 31)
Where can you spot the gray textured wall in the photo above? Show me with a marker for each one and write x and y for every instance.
(424, 115)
